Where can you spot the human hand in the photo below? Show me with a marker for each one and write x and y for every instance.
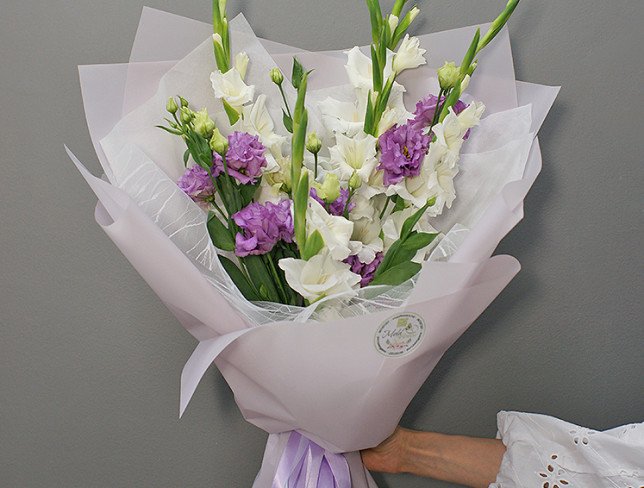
(387, 457)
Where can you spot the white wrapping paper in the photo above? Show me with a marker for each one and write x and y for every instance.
(327, 379)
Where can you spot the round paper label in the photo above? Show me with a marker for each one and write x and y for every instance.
(400, 334)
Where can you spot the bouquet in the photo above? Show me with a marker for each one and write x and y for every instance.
(324, 243)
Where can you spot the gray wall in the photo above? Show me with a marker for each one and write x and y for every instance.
(91, 359)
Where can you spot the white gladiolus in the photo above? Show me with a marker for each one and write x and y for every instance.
(410, 55)
(241, 64)
(258, 122)
(414, 190)
(319, 277)
(355, 155)
(393, 22)
(336, 231)
(365, 240)
(231, 87)
(360, 68)
(341, 117)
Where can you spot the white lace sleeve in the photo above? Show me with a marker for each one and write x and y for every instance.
(544, 452)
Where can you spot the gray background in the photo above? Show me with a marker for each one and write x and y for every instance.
(91, 359)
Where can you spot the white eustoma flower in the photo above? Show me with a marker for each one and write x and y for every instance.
(392, 227)
(257, 121)
(231, 87)
(365, 240)
(336, 231)
(410, 55)
(355, 155)
(241, 64)
(319, 277)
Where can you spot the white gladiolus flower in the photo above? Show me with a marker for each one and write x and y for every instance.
(336, 231)
(341, 117)
(258, 122)
(231, 87)
(360, 68)
(241, 63)
(450, 133)
(365, 240)
(364, 208)
(393, 225)
(414, 190)
(393, 22)
(410, 55)
(355, 155)
(269, 193)
(319, 277)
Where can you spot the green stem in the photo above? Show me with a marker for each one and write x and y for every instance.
(315, 156)
(439, 108)
(288, 110)
(384, 210)
(268, 260)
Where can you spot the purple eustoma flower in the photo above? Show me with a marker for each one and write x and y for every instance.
(336, 207)
(197, 184)
(263, 226)
(245, 158)
(402, 151)
(367, 271)
(426, 109)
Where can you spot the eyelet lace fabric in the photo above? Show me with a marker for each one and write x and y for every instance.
(545, 452)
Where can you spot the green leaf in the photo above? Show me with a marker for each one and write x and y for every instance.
(301, 98)
(245, 286)
(314, 245)
(233, 114)
(247, 193)
(298, 74)
(498, 24)
(219, 233)
(368, 120)
(417, 241)
(261, 277)
(377, 71)
(288, 121)
(300, 205)
(375, 14)
(411, 222)
(398, 274)
(171, 131)
(186, 157)
(398, 6)
(471, 52)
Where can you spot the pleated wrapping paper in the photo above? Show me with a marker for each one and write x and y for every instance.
(324, 382)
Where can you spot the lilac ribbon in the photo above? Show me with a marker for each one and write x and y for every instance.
(304, 464)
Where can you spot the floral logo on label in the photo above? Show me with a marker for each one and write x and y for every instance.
(400, 334)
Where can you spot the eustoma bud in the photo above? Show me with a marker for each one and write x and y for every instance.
(218, 143)
(313, 143)
(172, 106)
(277, 76)
(449, 75)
